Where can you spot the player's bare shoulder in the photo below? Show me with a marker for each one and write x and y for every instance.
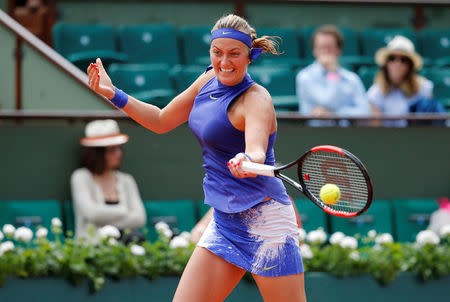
(257, 95)
(203, 79)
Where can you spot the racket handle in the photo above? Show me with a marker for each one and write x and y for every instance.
(259, 169)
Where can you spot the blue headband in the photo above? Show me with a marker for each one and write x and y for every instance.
(237, 35)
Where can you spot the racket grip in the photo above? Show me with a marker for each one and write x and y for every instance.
(259, 169)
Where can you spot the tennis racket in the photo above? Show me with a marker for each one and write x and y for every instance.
(326, 165)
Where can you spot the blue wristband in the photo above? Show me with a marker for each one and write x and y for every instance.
(120, 98)
(248, 156)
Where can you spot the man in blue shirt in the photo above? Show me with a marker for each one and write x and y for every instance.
(324, 88)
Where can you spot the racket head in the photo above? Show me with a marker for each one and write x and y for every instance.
(330, 164)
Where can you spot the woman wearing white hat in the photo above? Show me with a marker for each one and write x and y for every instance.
(102, 195)
(397, 85)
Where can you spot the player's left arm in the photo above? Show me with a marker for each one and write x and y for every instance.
(259, 122)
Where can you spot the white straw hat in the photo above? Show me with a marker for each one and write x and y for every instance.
(103, 133)
(399, 46)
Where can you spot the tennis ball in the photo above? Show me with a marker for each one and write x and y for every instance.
(330, 193)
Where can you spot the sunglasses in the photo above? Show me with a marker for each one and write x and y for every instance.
(403, 59)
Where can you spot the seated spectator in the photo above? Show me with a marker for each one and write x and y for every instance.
(102, 195)
(397, 85)
(441, 216)
(324, 88)
(199, 228)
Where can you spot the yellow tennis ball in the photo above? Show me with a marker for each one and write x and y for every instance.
(330, 193)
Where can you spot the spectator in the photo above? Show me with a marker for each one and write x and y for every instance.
(102, 194)
(441, 216)
(324, 88)
(397, 85)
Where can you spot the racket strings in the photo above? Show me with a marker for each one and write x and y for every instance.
(323, 167)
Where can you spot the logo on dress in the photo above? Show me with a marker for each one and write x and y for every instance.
(270, 267)
(212, 98)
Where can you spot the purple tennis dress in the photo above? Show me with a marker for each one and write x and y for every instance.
(258, 236)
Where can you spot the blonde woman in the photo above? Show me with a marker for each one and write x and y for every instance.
(397, 85)
(253, 227)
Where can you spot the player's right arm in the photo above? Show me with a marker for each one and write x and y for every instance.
(151, 117)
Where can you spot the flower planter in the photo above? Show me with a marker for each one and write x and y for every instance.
(319, 287)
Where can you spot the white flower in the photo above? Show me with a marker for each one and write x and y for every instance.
(372, 233)
(186, 235)
(112, 241)
(354, 255)
(384, 238)
(301, 234)
(306, 251)
(377, 248)
(178, 242)
(1, 236)
(317, 236)
(9, 230)
(108, 231)
(427, 236)
(137, 250)
(444, 231)
(56, 222)
(161, 226)
(23, 234)
(349, 242)
(41, 232)
(166, 233)
(6, 246)
(336, 238)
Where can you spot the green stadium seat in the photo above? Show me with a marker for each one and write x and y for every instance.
(435, 43)
(68, 216)
(184, 75)
(312, 217)
(279, 81)
(149, 83)
(288, 46)
(195, 41)
(441, 79)
(367, 75)
(82, 44)
(30, 213)
(202, 209)
(180, 215)
(378, 217)
(412, 216)
(374, 39)
(149, 43)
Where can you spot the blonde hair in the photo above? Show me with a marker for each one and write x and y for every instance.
(409, 86)
(267, 43)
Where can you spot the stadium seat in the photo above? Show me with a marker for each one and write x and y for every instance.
(374, 39)
(180, 215)
(378, 217)
(367, 75)
(82, 44)
(30, 213)
(68, 216)
(147, 82)
(412, 216)
(202, 209)
(288, 46)
(312, 217)
(184, 75)
(279, 81)
(149, 43)
(195, 41)
(435, 43)
(441, 79)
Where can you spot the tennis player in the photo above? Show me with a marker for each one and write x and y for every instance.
(254, 225)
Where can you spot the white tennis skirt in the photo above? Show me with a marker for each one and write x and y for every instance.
(262, 240)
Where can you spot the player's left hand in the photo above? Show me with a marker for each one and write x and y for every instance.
(235, 166)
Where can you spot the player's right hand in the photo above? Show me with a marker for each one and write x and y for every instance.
(99, 79)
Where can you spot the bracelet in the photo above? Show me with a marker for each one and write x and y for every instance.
(248, 156)
(120, 98)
